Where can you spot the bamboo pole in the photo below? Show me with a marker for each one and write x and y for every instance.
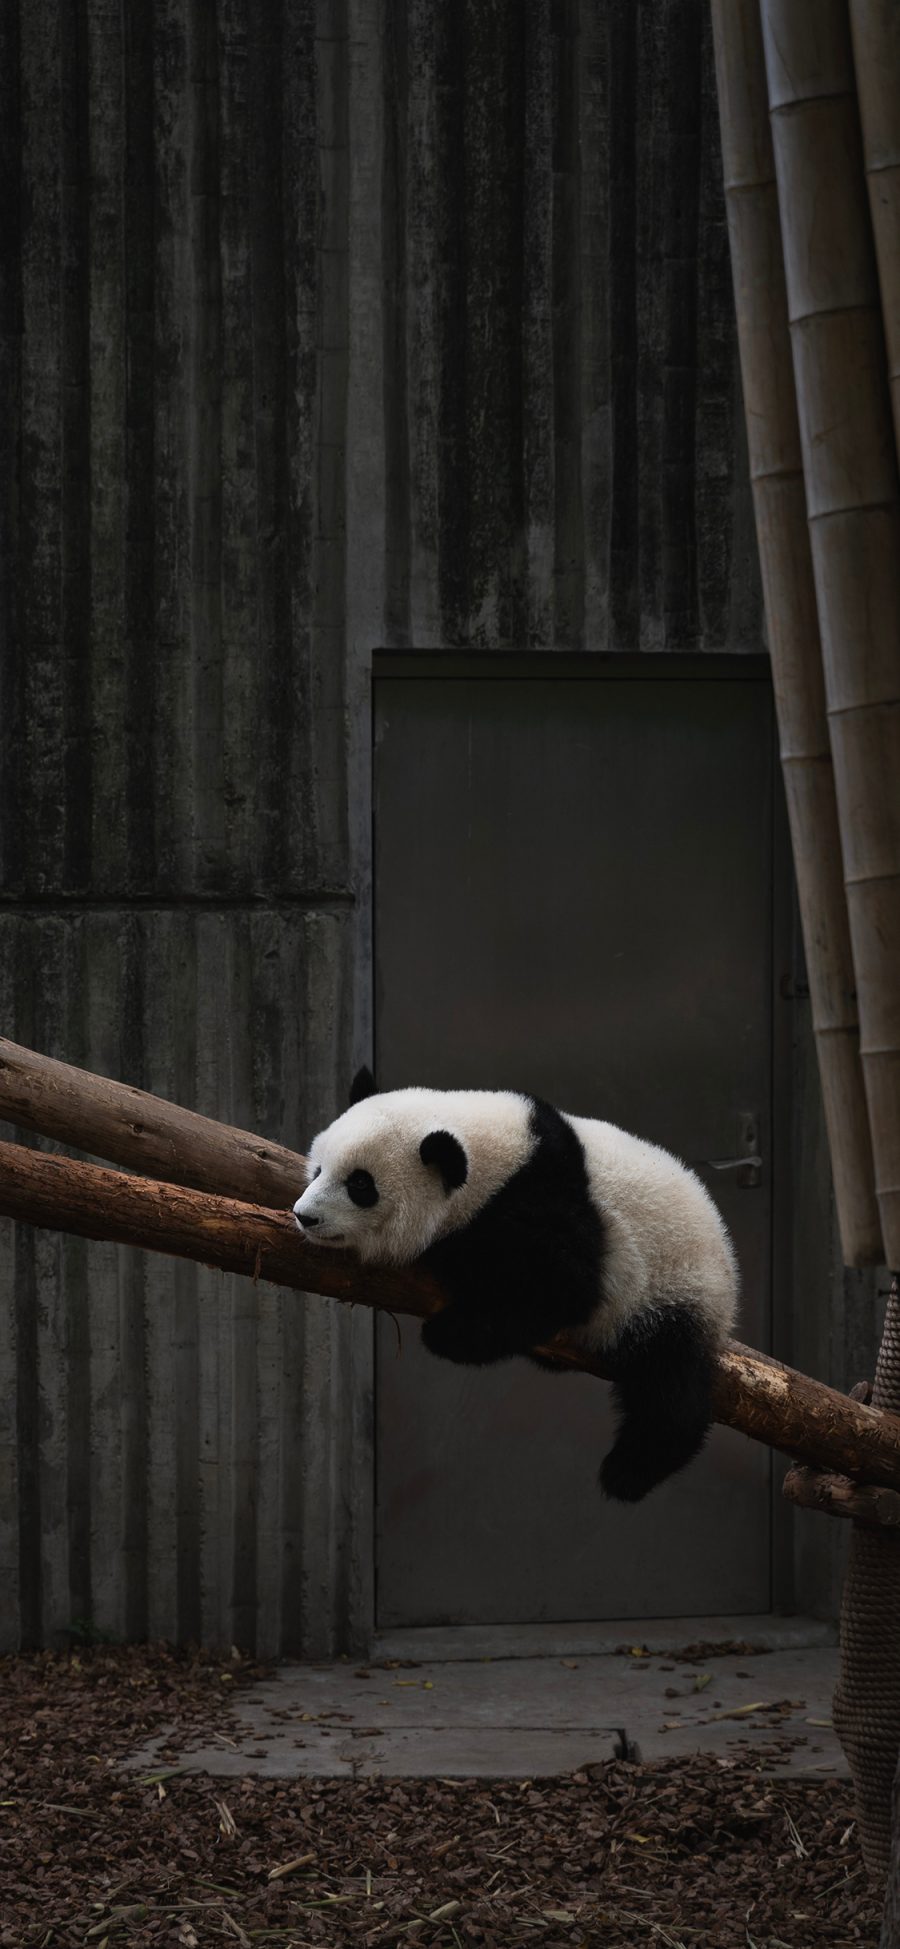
(853, 507)
(758, 1397)
(129, 1126)
(875, 26)
(776, 470)
(851, 492)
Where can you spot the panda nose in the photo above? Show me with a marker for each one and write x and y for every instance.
(307, 1220)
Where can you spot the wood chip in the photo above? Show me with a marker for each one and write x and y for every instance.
(696, 1851)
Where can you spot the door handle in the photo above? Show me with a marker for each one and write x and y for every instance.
(747, 1164)
(748, 1169)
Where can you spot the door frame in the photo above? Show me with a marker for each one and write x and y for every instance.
(784, 955)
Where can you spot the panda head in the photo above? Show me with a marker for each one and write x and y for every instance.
(381, 1177)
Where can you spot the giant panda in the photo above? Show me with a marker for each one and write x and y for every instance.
(534, 1221)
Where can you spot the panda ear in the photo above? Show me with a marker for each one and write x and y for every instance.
(363, 1085)
(446, 1154)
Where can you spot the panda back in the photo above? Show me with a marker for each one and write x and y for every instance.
(665, 1243)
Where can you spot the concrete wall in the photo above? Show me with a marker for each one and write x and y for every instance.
(326, 324)
(564, 462)
(179, 887)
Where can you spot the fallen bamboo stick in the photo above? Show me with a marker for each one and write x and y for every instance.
(755, 1395)
(128, 1126)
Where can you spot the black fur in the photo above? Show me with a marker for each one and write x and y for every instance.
(447, 1155)
(528, 1264)
(362, 1189)
(363, 1085)
(663, 1367)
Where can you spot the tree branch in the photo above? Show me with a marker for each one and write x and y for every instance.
(128, 1126)
(755, 1395)
(836, 1495)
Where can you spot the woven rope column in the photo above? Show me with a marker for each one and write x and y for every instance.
(867, 1698)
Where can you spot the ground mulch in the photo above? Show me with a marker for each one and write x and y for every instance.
(704, 1853)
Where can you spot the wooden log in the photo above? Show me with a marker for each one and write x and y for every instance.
(837, 1495)
(776, 471)
(146, 1132)
(853, 506)
(755, 1395)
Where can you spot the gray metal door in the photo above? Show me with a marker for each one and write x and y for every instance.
(573, 895)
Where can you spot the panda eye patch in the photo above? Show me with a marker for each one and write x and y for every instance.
(361, 1188)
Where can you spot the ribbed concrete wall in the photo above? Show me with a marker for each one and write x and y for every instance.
(325, 324)
(160, 1464)
(563, 457)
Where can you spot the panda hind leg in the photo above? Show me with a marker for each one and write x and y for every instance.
(664, 1366)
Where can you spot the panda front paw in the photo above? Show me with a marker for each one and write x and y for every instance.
(456, 1336)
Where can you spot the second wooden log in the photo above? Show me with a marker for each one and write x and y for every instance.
(129, 1126)
(837, 1495)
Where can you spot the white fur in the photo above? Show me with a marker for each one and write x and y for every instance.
(665, 1243)
(665, 1240)
(382, 1135)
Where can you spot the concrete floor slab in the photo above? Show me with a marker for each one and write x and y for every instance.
(525, 1717)
(764, 1631)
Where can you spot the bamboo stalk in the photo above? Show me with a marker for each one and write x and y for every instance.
(129, 1126)
(776, 469)
(757, 1396)
(875, 25)
(853, 506)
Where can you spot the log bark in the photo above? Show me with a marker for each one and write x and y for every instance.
(776, 472)
(837, 1495)
(128, 1126)
(755, 1395)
